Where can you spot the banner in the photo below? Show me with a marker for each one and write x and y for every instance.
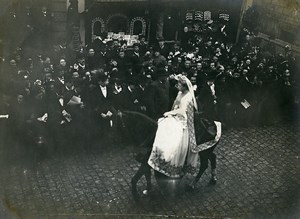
(198, 15)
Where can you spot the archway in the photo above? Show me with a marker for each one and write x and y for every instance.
(98, 27)
(138, 26)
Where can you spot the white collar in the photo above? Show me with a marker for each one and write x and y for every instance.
(61, 80)
(118, 88)
(71, 88)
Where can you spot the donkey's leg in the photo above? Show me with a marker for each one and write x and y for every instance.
(135, 180)
(213, 162)
(148, 177)
(203, 167)
(143, 170)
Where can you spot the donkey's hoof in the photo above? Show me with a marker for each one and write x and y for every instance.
(135, 195)
(136, 198)
(190, 188)
(213, 181)
(147, 192)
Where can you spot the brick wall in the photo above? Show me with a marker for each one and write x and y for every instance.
(280, 19)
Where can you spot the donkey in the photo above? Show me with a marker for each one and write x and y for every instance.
(141, 129)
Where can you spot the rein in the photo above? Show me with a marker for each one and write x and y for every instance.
(152, 122)
(147, 118)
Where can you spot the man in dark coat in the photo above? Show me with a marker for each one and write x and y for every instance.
(143, 45)
(122, 61)
(147, 90)
(201, 74)
(162, 91)
(131, 95)
(159, 61)
(163, 49)
(101, 104)
(136, 59)
(223, 98)
(208, 99)
(235, 84)
(119, 90)
(187, 68)
(91, 60)
(18, 115)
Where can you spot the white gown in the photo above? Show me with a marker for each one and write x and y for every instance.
(171, 153)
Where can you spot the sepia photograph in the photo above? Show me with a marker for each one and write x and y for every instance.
(149, 109)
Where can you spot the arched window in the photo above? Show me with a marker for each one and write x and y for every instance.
(98, 27)
(138, 26)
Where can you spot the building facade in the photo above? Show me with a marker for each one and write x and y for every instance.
(155, 18)
(81, 21)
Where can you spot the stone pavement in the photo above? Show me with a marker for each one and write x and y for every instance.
(258, 177)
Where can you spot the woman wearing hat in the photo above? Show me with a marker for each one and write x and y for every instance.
(175, 136)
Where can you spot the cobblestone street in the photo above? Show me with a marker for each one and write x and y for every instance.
(258, 177)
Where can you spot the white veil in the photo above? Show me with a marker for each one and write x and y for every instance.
(190, 87)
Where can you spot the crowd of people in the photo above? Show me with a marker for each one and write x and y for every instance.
(54, 90)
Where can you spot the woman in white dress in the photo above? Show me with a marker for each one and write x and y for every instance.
(171, 153)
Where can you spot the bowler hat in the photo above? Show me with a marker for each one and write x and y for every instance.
(101, 75)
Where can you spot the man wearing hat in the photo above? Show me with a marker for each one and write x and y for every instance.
(237, 96)
(92, 61)
(176, 49)
(159, 61)
(18, 115)
(208, 99)
(208, 50)
(119, 88)
(80, 66)
(101, 103)
(147, 95)
(187, 68)
(131, 98)
(136, 59)
(129, 74)
(143, 45)
(286, 95)
(122, 61)
(162, 91)
(163, 49)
